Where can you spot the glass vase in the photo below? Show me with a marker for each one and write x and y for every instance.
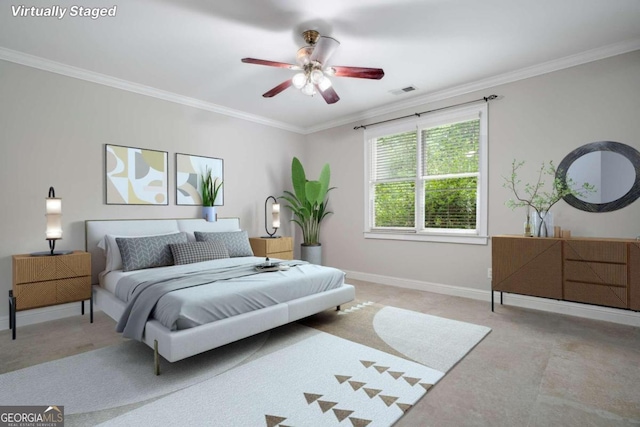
(528, 227)
(542, 224)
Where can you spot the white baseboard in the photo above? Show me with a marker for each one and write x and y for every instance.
(37, 315)
(624, 317)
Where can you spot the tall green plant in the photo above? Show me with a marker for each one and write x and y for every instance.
(210, 188)
(309, 200)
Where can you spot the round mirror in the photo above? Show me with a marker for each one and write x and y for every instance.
(611, 167)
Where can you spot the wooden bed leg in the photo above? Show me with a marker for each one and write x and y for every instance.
(338, 308)
(156, 358)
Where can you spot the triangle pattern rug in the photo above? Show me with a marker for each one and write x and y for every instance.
(364, 366)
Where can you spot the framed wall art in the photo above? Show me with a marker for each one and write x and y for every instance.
(189, 171)
(135, 176)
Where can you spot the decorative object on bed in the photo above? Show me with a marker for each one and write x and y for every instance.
(189, 178)
(210, 194)
(275, 217)
(148, 252)
(308, 203)
(53, 213)
(175, 333)
(189, 253)
(135, 176)
(237, 242)
(535, 197)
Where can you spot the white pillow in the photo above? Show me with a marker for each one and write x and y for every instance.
(112, 251)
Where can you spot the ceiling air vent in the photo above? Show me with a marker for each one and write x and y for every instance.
(403, 90)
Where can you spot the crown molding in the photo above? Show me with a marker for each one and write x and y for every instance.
(509, 77)
(103, 79)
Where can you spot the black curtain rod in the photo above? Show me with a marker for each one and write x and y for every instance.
(485, 99)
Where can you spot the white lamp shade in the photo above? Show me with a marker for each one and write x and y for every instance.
(299, 80)
(54, 226)
(53, 205)
(275, 215)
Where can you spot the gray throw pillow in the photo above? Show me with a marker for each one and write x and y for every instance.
(188, 253)
(237, 242)
(147, 252)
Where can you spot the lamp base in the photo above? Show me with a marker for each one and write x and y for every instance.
(270, 237)
(49, 253)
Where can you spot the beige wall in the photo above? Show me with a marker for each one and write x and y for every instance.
(537, 119)
(53, 131)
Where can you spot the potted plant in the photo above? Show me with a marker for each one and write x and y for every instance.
(308, 202)
(210, 190)
(535, 197)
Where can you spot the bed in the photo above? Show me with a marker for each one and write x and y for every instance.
(237, 303)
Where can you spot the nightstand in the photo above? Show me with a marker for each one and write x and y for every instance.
(279, 247)
(41, 281)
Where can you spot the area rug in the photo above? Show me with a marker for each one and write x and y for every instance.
(363, 366)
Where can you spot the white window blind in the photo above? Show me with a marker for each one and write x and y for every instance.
(427, 177)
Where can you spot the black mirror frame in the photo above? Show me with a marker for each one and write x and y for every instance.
(629, 152)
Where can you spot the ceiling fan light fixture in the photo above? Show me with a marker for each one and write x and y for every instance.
(316, 76)
(309, 89)
(299, 80)
(324, 83)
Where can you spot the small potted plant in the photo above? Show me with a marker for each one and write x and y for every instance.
(308, 202)
(210, 190)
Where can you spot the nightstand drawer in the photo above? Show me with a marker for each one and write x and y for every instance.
(282, 255)
(269, 246)
(29, 269)
(33, 295)
(42, 294)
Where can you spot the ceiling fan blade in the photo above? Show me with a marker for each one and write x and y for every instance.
(323, 50)
(276, 90)
(270, 63)
(329, 94)
(358, 72)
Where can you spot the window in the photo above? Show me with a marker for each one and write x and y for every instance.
(426, 179)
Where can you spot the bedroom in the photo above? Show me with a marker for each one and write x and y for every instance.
(54, 127)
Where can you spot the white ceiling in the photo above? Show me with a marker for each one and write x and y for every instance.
(192, 48)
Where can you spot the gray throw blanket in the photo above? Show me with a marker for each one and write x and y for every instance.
(145, 294)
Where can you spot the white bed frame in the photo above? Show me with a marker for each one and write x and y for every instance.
(178, 345)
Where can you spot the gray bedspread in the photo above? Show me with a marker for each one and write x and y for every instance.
(182, 297)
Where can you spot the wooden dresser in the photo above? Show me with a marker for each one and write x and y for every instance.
(603, 272)
(280, 247)
(41, 281)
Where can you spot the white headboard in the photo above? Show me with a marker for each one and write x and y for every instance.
(95, 230)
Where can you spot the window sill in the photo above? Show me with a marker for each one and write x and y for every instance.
(438, 238)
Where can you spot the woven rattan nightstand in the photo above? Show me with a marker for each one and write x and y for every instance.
(41, 281)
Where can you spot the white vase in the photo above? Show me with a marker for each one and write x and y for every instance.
(542, 224)
(209, 213)
(311, 253)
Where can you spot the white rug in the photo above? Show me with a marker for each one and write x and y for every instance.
(320, 381)
(293, 375)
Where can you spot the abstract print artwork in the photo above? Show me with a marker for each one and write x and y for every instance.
(189, 170)
(136, 176)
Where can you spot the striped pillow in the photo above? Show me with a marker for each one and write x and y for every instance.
(188, 253)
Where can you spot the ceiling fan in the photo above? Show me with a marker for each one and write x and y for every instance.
(311, 61)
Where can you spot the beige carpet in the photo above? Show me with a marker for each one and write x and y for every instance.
(115, 384)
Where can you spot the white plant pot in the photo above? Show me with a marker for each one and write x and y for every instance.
(312, 254)
(209, 213)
